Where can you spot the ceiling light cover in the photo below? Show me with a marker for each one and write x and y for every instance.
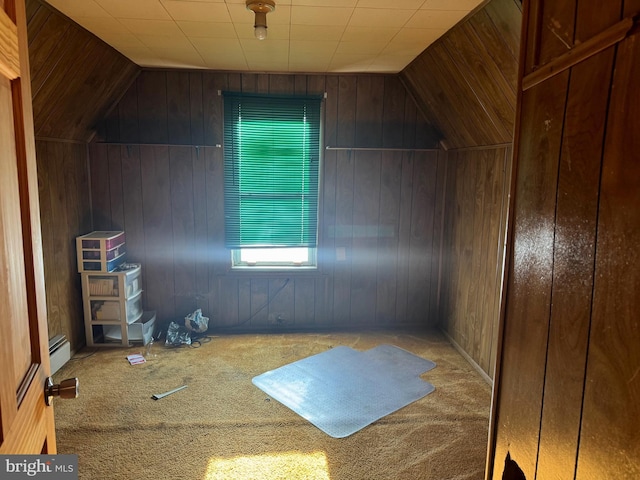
(261, 8)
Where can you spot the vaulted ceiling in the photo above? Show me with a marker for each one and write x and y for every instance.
(75, 77)
(303, 35)
(464, 83)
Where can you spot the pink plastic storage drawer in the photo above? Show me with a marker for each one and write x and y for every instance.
(100, 251)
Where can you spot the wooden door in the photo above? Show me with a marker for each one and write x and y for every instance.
(26, 423)
(567, 395)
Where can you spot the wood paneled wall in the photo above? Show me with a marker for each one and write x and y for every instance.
(75, 77)
(475, 213)
(75, 80)
(567, 396)
(465, 82)
(184, 108)
(162, 183)
(65, 213)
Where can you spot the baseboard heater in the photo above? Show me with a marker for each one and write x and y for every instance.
(59, 352)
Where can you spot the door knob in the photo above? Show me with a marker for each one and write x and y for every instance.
(68, 388)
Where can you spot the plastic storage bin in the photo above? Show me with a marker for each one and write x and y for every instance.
(111, 310)
(139, 331)
(111, 285)
(100, 251)
(112, 304)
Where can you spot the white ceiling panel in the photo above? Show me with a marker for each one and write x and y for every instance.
(303, 35)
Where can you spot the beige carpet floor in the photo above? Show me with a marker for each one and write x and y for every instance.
(223, 427)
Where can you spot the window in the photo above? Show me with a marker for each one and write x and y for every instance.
(271, 168)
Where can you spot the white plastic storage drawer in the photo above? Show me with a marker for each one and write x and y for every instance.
(111, 310)
(139, 331)
(125, 284)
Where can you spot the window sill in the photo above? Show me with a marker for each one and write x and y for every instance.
(242, 271)
(257, 268)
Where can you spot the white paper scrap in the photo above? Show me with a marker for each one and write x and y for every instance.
(136, 359)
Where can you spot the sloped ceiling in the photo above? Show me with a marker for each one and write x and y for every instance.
(304, 36)
(465, 83)
(75, 77)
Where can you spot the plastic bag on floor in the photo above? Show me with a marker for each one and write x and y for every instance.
(195, 322)
(177, 335)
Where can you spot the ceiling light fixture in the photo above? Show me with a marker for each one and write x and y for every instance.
(261, 8)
